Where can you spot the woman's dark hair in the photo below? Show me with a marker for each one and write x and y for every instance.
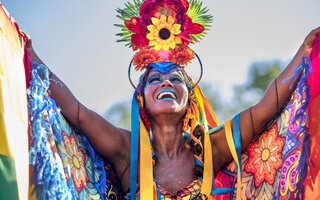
(198, 131)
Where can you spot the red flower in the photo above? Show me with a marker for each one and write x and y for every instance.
(175, 8)
(134, 25)
(155, 8)
(181, 57)
(145, 57)
(189, 28)
(139, 39)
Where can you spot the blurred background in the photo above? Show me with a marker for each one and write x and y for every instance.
(248, 45)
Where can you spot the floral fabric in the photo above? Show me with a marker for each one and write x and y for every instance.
(63, 163)
(273, 165)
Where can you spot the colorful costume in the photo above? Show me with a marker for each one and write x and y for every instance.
(281, 164)
(13, 111)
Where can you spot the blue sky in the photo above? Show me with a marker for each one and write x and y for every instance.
(77, 41)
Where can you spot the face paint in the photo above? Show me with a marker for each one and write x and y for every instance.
(176, 79)
(165, 93)
(157, 79)
(172, 95)
(154, 79)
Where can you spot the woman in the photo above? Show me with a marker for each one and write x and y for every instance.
(167, 98)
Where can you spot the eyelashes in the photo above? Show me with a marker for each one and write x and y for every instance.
(174, 79)
(155, 80)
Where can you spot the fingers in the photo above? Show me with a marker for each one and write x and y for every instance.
(29, 41)
(315, 31)
(309, 41)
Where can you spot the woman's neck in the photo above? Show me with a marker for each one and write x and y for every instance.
(167, 137)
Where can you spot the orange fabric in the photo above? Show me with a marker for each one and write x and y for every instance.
(211, 117)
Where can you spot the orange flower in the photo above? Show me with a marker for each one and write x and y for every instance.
(145, 57)
(181, 56)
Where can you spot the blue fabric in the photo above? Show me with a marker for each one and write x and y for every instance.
(218, 128)
(220, 191)
(198, 162)
(237, 139)
(305, 154)
(304, 65)
(158, 191)
(134, 146)
(187, 136)
(50, 182)
(237, 144)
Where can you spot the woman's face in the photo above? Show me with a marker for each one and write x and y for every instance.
(166, 94)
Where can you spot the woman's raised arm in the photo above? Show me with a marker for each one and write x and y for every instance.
(255, 118)
(276, 94)
(110, 141)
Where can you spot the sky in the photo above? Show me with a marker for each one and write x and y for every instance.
(76, 40)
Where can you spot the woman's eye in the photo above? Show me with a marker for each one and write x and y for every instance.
(176, 80)
(154, 80)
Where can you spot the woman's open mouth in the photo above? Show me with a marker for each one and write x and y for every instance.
(166, 95)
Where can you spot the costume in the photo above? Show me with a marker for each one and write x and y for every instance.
(160, 32)
(13, 111)
(281, 164)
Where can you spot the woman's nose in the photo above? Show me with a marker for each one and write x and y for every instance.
(166, 83)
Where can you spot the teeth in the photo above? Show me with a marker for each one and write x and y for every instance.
(164, 94)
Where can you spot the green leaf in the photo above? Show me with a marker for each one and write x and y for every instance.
(199, 15)
(130, 10)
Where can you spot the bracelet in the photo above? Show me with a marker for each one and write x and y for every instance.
(252, 125)
(276, 85)
(78, 113)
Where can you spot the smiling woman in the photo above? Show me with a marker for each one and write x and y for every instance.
(176, 147)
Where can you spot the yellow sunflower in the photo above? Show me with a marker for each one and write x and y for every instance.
(163, 33)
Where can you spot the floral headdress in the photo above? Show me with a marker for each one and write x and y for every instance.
(160, 32)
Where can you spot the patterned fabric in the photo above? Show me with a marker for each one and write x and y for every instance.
(190, 192)
(276, 156)
(64, 164)
(273, 165)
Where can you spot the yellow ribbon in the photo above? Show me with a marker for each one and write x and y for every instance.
(146, 168)
(228, 132)
(208, 166)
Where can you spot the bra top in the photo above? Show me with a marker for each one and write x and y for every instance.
(190, 192)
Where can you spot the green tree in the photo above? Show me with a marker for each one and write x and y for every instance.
(119, 114)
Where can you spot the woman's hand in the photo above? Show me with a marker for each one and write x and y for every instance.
(30, 49)
(309, 41)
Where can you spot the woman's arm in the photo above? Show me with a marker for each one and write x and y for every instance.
(255, 118)
(110, 141)
(275, 96)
